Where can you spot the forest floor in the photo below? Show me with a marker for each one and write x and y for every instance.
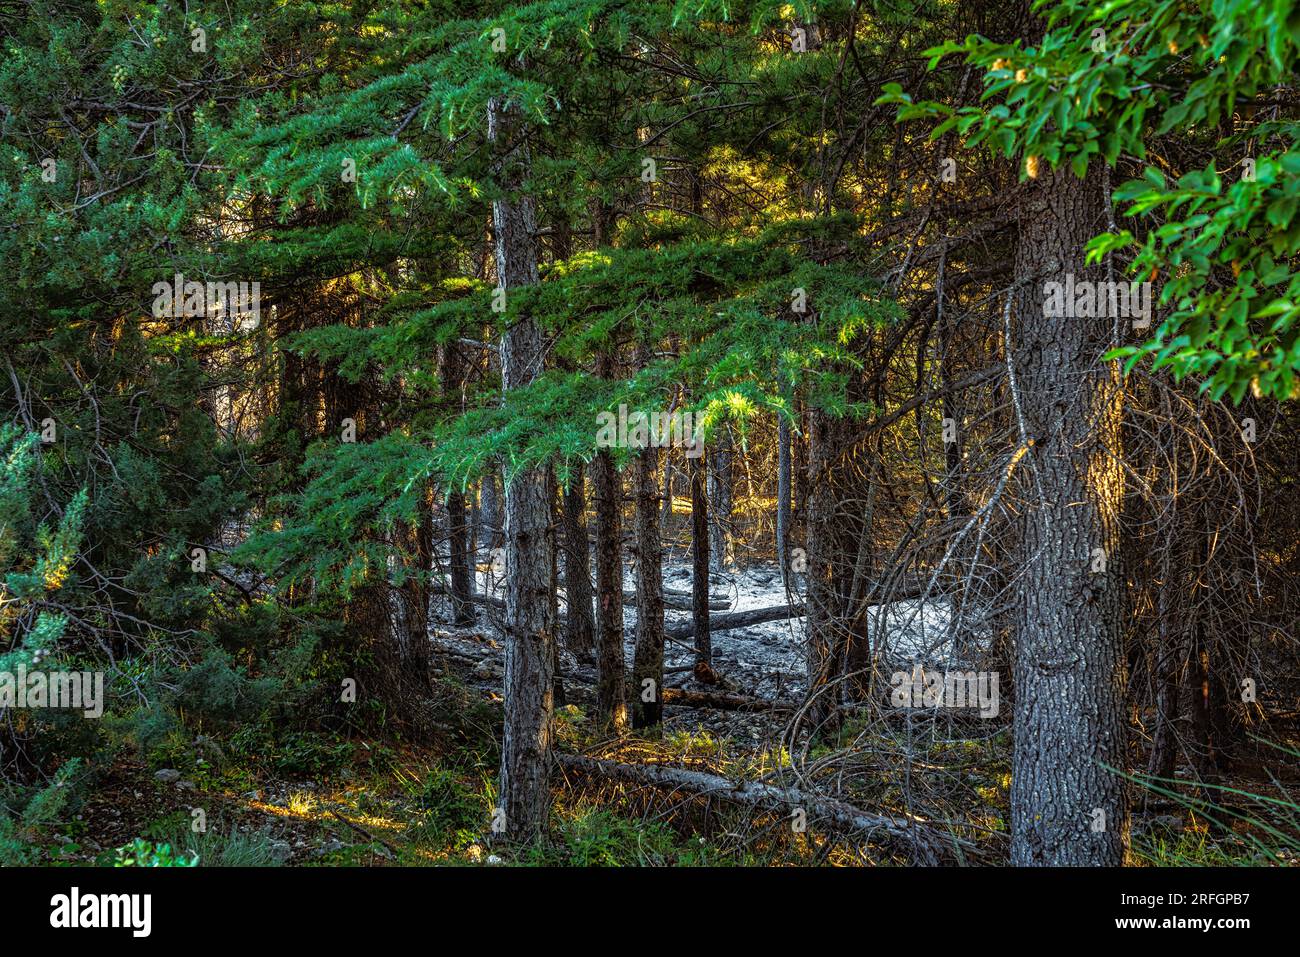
(348, 797)
(764, 661)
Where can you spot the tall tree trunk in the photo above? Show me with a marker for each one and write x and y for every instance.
(720, 492)
(666, 502)
(783, 499)
(529, 703)
(415, 594)
(1066, 807)
(700, 568)
(607, 489)
(648, 656)
(824, 618)
(580, 631)
(462, 581)
(475, 519)
(489, 532)
(553, 588)
(857, 655)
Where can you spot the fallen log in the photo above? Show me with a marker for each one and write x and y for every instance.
(726, 701)
(672, 599)
(914, 588)
(927, 844)
(737, 619)
(686, 629)
(366, 834)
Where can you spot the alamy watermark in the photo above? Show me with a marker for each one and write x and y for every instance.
(72, 690)
(75, 909)
(1084, 299)
(640, 430)
(946, 689)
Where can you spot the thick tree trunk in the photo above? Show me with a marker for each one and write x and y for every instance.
(579, 629)
(1066, 807)
(648, 656)
(526, 740)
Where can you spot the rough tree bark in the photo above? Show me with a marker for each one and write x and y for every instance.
(783, 499)
(462, 580)
(529, 703)
(648, 655)
(700, 568)
(720, 492)
(414, 595)
(1066, 807)
(825, 621)
(607, 489)
(553, 586)
(489, 531)
(666, 502)
(579, 628)
(462, 588)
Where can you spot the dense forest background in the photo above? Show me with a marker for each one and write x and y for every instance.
(973, 539)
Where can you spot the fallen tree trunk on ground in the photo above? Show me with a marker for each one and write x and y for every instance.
(672, 599)
(737, 619)
(927, 844)
(726, 701)
(905, 591)
(679, 632)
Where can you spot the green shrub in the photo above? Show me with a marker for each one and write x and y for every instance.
(19, 830)
(142, 853)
